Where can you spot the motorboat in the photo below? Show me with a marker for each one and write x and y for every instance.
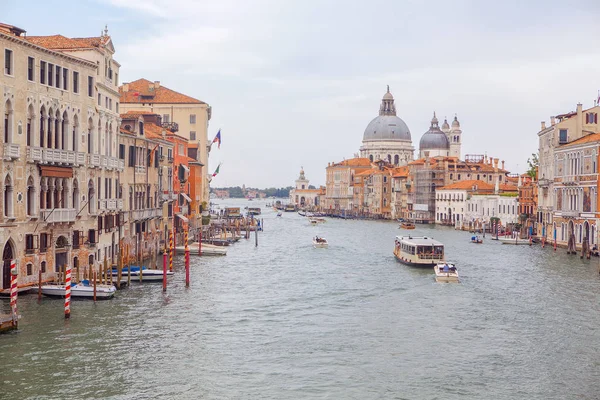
(320, 242)
(20, 291)
(514, 240)
(445, 272)
(207, 249)
(147, 274)
(418, 251)
(476, 239)
(279, 213)
(313, 221)
(407, 225)
(83, 289)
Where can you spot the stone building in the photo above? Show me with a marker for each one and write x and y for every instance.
(187, 116)
(301, 195)
(60, 201)
(563, 129)
(387, 137)
(340, 183)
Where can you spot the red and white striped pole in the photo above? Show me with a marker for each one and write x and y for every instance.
(187, 257)
(13, 288)
(68, 293)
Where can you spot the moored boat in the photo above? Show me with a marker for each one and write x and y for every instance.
(515, 240)
(83, 289)
(407, 225)
(418, 251)
(320, 242)
(148, 275)
(207, 249)
(446, 272)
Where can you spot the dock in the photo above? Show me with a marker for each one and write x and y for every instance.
(7, 323)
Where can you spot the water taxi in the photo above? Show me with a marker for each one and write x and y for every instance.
(320, 243)
(445, 272)
(418, 251)
(407, 225)
(83, 289)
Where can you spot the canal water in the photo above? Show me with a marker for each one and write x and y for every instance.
(287, 321)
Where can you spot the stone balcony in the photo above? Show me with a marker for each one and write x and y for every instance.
(110, 205)
(55, 156)
(147, 213)
(12, 151)
(58, 215)
(168, 196)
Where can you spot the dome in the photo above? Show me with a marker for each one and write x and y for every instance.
(455, 123)
(434, 138)
(387, 126)
(445, 124)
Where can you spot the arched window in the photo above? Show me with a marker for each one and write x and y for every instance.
(90, 136)
(75, 137)
(75, 200)
(396, 159)
(30, 197)
(43, 267)
(29, 126)
(64, 196)
(371, 158)
(64, 131)
(57, 132)
(8, 197)
(43, 117)
(389, 158)
(99, 133)
(8, 122)
(91, 198)
(50, 127)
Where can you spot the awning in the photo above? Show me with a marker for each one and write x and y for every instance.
(185, 196)
(183, 218)
(56, 172)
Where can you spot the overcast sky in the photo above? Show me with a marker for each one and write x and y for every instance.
(295, 83)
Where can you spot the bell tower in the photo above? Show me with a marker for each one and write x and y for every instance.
(454, 137)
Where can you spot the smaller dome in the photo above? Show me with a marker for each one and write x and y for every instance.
(434, 138)
(388, 95)
(455, 123)
(445, 124)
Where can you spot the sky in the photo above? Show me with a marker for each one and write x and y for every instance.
(295, 83)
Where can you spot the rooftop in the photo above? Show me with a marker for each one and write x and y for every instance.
(145, 91)
(60, 42)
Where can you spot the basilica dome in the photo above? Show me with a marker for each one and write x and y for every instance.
(387, 126)
(434, 138)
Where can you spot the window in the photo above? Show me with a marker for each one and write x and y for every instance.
(117, 106)
(91, 86)
(106, 102)
(57, 76)
(562, 136)
(30, 68)
(31, 243)
(50, 74)
(65, 80)
(75, 82)
(43, 242)
(99, 99)
(122, 151)
(165, 118)
(30, 269)
(8, 61)
(43, 267)
(92, 236)
(192, 118)
(43, 72)
(192, 135)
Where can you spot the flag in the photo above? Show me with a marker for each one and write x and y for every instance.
(152, 154)
(217, 139)
(216, 170)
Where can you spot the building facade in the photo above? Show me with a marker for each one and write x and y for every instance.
(301, 195)
(339, 186)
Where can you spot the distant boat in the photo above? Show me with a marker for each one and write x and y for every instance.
(407, 225)
(279, 213)
(476, 239)
(83, 289)
(150, 275)
(515, 240)
(320, 242)
(445, 272)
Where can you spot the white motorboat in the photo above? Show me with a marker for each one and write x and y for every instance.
(320, 242)
(83, 289)
(445, 272)
(418, 251)
(313, 221)
(207, 249)
(513, 240)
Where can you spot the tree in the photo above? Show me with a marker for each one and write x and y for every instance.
(533, 163)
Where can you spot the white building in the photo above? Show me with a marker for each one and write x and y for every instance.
(301, 195)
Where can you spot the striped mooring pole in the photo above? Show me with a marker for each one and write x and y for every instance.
(13, 288)
(68, 293)
(171, 250)
(187, 257)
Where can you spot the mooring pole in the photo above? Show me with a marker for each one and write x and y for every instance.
(187, 257)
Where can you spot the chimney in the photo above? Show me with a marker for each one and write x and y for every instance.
(579, 121)
(126, 87)
(156, 84)
(502, 164)
(495, 165)
(543, 125)
(552, 120)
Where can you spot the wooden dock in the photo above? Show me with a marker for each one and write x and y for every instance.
(7, 323)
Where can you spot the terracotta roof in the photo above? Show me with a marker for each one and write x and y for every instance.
(144, 91)
(354, 162)
(153, 131)
(400, 172)
(468, 185)
(60, 42)
(136, 114)
(508, 187)
(594, 137)
(367, 172)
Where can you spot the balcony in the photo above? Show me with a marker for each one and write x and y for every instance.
(168, 196)
(172, 126)
(34, 154)
(570, 214)
(58, 215)
(94, 160)
(12, 151)
(170, 160)
(148, 213)
(110, 205)
(140, 169)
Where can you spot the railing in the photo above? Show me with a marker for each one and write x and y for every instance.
(166, 196)
(570, 213)
(431, 256)
(140, 169)
(11, 151)
(34, 154)
(146, 213)
(58, 215)
(170, 160)
(94, 160)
